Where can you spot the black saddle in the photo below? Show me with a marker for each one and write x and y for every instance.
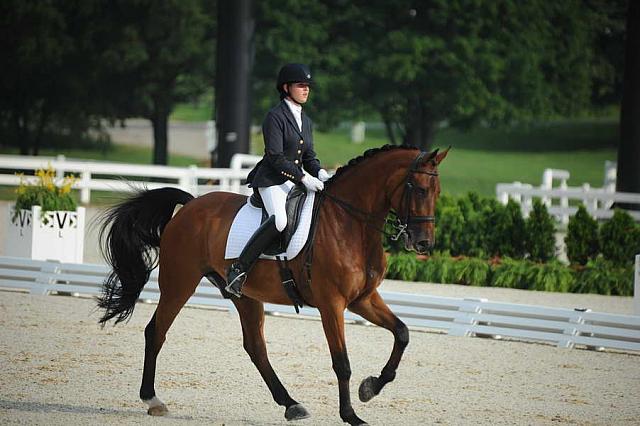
(295, 203)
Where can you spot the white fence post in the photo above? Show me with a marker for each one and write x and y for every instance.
(636, 287)
(85, 191)
(60, 166)
(357, 132)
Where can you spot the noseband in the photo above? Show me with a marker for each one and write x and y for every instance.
(404, 218)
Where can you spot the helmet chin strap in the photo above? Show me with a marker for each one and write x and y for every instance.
(288, 95)
(293, 100)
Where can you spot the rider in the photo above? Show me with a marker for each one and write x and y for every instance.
(288, 143)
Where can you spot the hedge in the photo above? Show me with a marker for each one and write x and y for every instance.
(481, 242)
(598, 276)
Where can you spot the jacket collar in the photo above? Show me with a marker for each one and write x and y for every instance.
(292, 120)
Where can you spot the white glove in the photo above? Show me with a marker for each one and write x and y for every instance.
(323, 175)
(312, 183)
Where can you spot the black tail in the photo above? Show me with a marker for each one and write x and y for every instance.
(129, 240)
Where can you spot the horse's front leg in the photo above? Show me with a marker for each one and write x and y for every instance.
(333, 324)
(252, 320)
(375, 310)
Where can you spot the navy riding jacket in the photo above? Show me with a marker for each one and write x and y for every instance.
(286, 149)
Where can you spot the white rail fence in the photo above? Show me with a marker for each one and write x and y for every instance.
(566, 328)
(105, 176)
(561, 200)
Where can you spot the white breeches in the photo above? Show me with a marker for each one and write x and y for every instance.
(274, 199)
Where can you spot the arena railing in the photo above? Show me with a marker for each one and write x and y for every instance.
(567, 328)
(561, 201)
(120, 177)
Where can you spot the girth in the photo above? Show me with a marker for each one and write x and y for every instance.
(295, 203)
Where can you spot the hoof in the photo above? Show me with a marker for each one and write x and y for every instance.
(156, 407)
(158, 410)
(354, 420)
(367, 388)
(296, 412)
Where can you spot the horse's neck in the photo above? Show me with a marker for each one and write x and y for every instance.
(364, 186)
(364, 189)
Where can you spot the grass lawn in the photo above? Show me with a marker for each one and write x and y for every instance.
(483, 157)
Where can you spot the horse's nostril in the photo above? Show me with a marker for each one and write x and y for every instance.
(423, 246)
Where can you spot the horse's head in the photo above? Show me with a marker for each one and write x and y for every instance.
(414, 200)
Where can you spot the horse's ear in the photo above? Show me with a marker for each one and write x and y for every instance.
(442, 155)
(430, 157)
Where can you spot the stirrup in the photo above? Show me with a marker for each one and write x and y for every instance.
(238, 277)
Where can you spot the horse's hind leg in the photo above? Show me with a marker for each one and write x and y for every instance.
(375, 310)
(252, 320)
(175, 290)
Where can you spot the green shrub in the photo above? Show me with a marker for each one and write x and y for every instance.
(619, 238)
(540, 233)
(582, 237)
(598, 276)
(494, 226)
(471, 271)
(402, 266)
(524, 274)
(604, 277)
(517, 231)
(503, 229)
(552, 276)
(450, 230)
(509, 273)
(471, 240)
(436, 269)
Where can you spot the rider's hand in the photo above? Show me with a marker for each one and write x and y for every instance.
(323, 175)
(312, 183)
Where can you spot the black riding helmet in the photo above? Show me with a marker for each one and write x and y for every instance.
(293, 73)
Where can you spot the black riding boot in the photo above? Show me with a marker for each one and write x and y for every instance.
(259, 241)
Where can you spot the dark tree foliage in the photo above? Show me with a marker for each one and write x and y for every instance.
(422, 65)
(156, 53)
(69, 64)
(48, 77)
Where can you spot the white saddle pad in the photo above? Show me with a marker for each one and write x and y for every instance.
(248, 220)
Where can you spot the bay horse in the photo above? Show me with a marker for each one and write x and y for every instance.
(347, 262)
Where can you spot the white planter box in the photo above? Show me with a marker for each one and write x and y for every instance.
(54, 235)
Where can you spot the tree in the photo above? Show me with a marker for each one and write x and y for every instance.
(465, 63)
(628, 178)
(47, 77)
(290, 31)
(156, 53)
(422, 65)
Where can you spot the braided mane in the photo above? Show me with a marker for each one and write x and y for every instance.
(367, 154)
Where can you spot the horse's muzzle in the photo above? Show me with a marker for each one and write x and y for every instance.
(423, 247)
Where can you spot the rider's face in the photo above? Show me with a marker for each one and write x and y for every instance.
(298, 92)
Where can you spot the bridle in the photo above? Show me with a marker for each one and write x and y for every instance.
(403, 218)
(399, 225)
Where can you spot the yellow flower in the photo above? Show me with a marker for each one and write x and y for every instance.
(67, 184)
